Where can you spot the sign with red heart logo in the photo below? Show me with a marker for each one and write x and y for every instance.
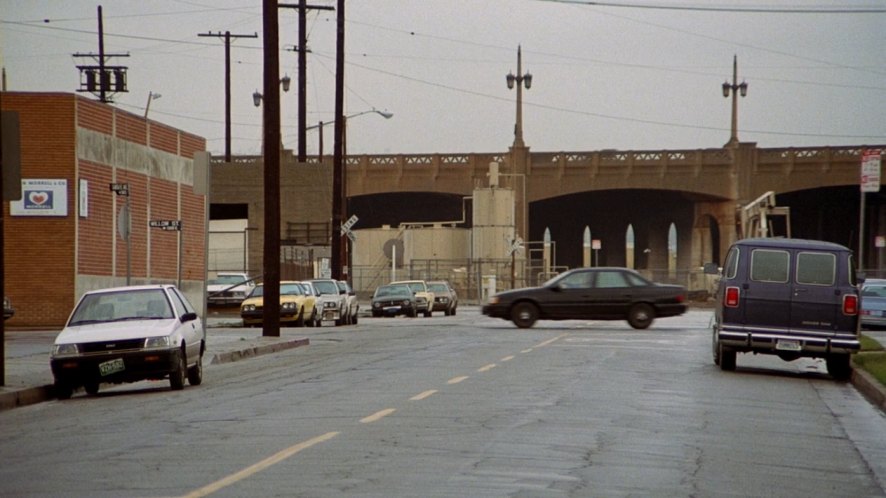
(41, 198)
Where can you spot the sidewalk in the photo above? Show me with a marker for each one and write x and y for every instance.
(28, 378)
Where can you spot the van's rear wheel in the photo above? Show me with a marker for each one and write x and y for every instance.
(839, 366)
(727, 358)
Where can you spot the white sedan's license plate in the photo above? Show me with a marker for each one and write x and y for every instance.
(788, 345)
(111, 367)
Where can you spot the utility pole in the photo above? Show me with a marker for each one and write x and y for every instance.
(227, 37)
(338, 149)
(302, 49)
(97, 79)
(271, 147)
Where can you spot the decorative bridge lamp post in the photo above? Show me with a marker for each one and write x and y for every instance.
(735, 88)
(520, 79)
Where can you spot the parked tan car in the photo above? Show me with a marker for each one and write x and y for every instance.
(424, 298)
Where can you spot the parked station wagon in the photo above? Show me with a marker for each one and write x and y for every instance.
(788, 297)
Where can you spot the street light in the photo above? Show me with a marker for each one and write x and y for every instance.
(340, 191)
(520, 79)
(284, 83)
(735, 88)
(151, 96)
(321, 124)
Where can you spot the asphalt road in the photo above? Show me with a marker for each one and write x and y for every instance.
(463, 406)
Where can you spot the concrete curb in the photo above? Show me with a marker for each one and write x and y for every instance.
(250, 352)
(38, 394)
(868, 386)
(26, 396)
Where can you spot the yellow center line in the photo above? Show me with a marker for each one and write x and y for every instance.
(377, 415)
(258, 467)
(507, 358)
(456, 380)
(487, 367)
(421, 396)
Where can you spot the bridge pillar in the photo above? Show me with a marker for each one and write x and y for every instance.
(518, 169)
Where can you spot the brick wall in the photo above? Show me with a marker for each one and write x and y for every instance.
(39, 269)
(50, 261)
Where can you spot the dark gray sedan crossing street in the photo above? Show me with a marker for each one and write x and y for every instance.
(463, 405)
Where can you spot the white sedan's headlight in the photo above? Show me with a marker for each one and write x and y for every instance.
(330, 304)
(158, 342)
(65, 350)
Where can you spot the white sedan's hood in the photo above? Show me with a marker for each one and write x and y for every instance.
(113, 331)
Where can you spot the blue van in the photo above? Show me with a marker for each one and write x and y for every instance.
(788, 297)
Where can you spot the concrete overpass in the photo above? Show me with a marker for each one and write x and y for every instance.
(657, 193)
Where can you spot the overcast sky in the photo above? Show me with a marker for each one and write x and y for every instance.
(604, 77)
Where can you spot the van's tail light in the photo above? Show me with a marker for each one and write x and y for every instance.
(730, 300)
(850, 304)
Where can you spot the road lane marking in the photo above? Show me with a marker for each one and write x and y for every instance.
(487, 367)
(529, 350)
(260, 466)
(377, 416)
(549, 341)
(421, 396)
(456, 380)
(507, 358)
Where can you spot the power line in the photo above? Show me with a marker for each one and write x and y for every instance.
(746, 10)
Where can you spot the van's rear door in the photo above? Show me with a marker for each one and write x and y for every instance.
(766, 296)
(817, 298)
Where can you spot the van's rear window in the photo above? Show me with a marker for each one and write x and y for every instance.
(769, 266)
(816, 268)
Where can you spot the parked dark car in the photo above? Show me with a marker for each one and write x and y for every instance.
(393, 300)
(873, 304)
(591, 294)
(445, 297)
(787, 297)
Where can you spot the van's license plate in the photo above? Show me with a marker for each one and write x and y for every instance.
(787, 345)
(111, 367)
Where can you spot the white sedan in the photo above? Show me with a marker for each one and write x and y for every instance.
(129, 334)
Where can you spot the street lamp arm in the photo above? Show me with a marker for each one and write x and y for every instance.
(384, 114)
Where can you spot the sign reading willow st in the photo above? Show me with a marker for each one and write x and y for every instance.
(166, 224)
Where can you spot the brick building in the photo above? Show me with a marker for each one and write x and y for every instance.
(65, 236)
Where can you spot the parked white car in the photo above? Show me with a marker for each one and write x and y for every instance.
(332, 298)
(352, 305)
(228, 288)
(129, 334)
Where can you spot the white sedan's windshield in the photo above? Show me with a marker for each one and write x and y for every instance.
(124, 305)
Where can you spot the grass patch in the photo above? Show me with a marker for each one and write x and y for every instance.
(870, 344)
(872, 358)
(874, 363)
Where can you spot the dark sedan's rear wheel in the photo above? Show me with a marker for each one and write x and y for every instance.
(640, 316)
(524, 315)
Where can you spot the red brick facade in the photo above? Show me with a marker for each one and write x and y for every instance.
(51, 260)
